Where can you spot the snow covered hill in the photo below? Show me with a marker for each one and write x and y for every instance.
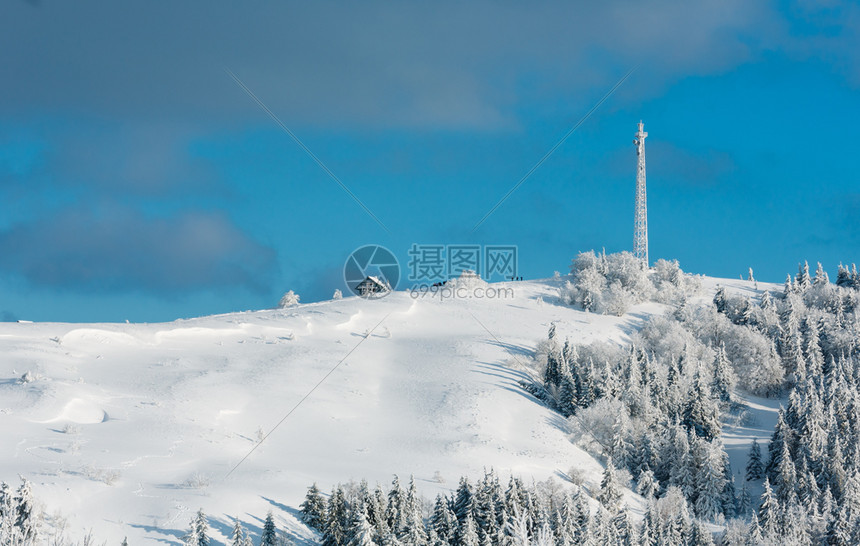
(128, 429)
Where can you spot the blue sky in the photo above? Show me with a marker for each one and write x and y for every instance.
(139, 182)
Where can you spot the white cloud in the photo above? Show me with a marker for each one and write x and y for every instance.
(460, 65)
(115, 248)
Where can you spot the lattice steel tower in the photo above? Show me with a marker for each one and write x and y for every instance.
(640, 224)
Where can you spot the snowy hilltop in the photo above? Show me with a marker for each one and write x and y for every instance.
(628, 397)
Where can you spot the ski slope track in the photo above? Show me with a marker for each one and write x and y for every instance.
(128, 429)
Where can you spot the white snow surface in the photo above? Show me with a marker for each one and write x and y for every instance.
(129, 429)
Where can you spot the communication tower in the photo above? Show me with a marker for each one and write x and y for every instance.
(640, 218)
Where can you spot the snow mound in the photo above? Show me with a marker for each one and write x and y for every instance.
(82, 412)
(82, 338)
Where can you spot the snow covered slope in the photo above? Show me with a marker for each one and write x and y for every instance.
(130, 428)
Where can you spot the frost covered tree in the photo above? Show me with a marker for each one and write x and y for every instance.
(701, 413)
(464, 503)
(8, 508)
(802, 280)
(238, 536)
(821, 277)
(710, 482)
(770, 511)
(442, 522)
(313, 508)
(27, 515)
(720, 300)
(649, 532)
(755, 467)
(290, 299)
(360, 532)
(610, 491)
(269, 536)
(744, 504)
(724, 377)
(701, 536)
(518, 528)
(11, 533)
(567, 400)
(468, 534)
(610, 284)
(395, 513)
(554, 365)
(413, 521)
(338, 295)
(190, 539)
(200, 529)
(646, 485)
(786, 478)
(545, 536)
(843, 277)
(839, 530)
(337, 519)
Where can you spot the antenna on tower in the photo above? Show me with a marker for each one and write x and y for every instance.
(640, 215)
